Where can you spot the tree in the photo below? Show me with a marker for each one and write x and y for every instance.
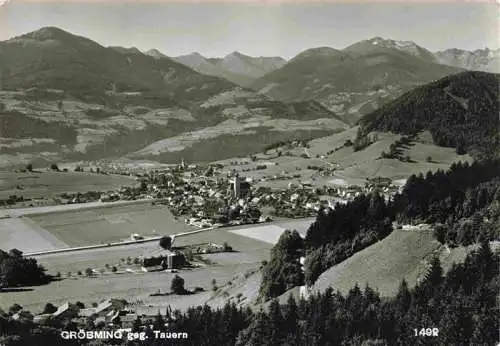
(29, 167)
(137, 325)
(434, 276)
(49, 308)
(89, 272)
(291, 315)
(460, 148)
(54, 167)
(15, 309)
(440, 233)
(283, 271)
(428, 159)
(159, 323)
(403, 297)
(177, 285)
(275, 323)
(166, 242)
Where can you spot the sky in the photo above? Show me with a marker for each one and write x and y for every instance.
(260, 28)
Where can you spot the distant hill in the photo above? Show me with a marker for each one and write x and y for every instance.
(354, 81)
(378, 45)
(460, 111)
(66, 97)
(485, 60)
(235, 67)
(155, 53)
(123, 50)
(55, 59)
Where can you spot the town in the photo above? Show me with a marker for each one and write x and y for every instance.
(212, 195)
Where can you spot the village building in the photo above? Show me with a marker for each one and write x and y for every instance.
(161, 260)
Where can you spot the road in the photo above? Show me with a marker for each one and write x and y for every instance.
(157, 238)
(123, 243)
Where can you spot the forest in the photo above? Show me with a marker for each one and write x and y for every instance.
(460, 111)
(15, 270)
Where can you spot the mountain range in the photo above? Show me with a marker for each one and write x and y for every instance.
(235, 67)
(351, 82)
(243, 69)
(66, 97)
(478, 60)
(356, 80)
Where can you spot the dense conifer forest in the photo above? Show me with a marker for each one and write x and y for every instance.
(460, 111)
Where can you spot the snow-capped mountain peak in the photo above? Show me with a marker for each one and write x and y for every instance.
(409, 47)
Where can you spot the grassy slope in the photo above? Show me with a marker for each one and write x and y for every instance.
(403, 254)
(384, 264)
(356, 166)
(109, 224)
(46, 184)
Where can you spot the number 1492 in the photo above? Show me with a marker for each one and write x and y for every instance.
(426, 331)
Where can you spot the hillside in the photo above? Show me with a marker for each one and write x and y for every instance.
(402, 255)
(354, 81)
(383, 265)
(51, 58)
(65, 97)
(235, 67)
(249, 124)
(460, 111)
(380, 45)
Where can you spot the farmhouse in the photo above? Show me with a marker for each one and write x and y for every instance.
(63, 312)
(162, 260)
(107, 309)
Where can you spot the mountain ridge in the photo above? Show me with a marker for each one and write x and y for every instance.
(354, 81)
(236, 67)
(468, 107)
(69, 97)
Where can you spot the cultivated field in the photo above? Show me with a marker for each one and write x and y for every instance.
(110, 223)
(268, 234)
(129, 286)
(47, 184)
(25, 235)
(271, 233)
(351, 167)
(225, 267)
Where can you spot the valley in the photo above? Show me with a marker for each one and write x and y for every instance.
(243, 198)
